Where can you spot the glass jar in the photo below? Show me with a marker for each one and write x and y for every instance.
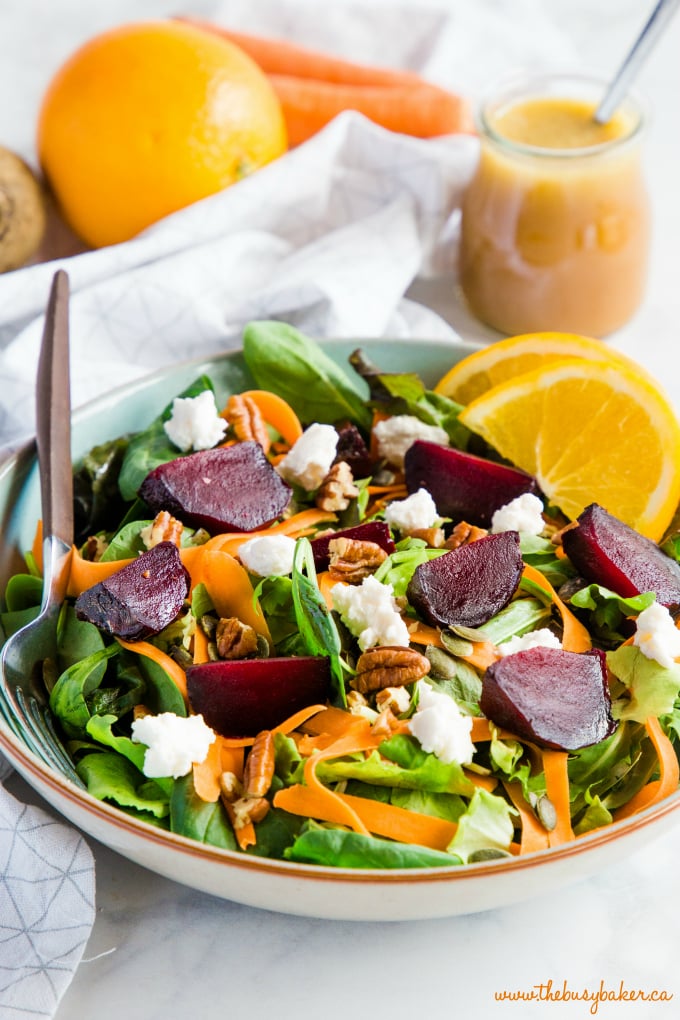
(555, 224)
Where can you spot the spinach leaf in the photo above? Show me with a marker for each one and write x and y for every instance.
(151, 447)
(405, 393)
(109, 776)
(295, 367)
(23, 591)
(161, 693)
(68, 697)
(275, 833)
(96, 497)
(314, 620)
(275, 595)
(449, 806)
(197, 819)
(341, 849)
(77, 640)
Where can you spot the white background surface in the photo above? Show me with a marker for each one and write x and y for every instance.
(159, 950)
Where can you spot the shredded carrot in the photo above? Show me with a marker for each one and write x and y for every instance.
(229, 587)
(338, 723)
(575, 637)
(206, 774)
(278, 413)
(669, 774)
(245, 834)
(557, 791)
(200, 646)
(300, 718)
(314, 87)
(86, 573)
(534, 836)
(303, 523)
(149, 651)
(483, 653)
(488, 783)
(326, 584)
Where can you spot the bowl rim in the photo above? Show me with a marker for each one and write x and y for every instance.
(32, 766)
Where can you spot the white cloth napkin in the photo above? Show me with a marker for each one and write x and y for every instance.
(328, 238)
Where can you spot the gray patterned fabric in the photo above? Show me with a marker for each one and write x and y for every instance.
(46, 907)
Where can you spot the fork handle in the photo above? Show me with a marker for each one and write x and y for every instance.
(53, 416)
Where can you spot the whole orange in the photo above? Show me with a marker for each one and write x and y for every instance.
(147, 118)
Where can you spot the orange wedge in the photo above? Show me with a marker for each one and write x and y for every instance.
(590, 432)
(508, 358)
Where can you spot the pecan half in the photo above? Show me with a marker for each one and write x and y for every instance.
(234, 639)
(164, 528)
(352, 560)
(337, 488)
(246, 420)
(246, 810)
(463, 534)
(389, 666)
(259, 770)
(397, 699)
(434, 537)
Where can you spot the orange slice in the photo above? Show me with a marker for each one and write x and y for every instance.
(508, 358)
(590, 432)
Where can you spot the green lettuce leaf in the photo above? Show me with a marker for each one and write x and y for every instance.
(340, 849)
(486, 825)
(653, 689)
(399, 567)
(110, 776)
(608, 610)
(427, 773)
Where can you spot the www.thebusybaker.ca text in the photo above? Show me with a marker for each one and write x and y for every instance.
(550, 991)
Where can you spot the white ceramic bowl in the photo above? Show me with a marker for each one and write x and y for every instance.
(341, 894)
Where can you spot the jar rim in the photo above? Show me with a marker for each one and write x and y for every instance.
(534, 84)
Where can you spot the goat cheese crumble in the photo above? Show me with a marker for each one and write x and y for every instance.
(268, 554)
(441, 728)
(370, 612)
(310, 459)
(543, 637)
(523, 514)
(194, 423)
(174, 743)
(413, 513)
(656, 635)
(395, 435)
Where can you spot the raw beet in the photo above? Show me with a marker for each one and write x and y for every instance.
(463, 486)
(468, 585)
(608, 552)
(353, 450)
(371, 531)
(231, 488)
(555, 698)
(240, 697)
(141, 598)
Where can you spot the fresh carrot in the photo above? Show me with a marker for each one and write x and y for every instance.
(669, 774)
(557, 791)
(229, 587)
(206, 774)
(200, 646)
(303, 523)
(278, 413)
(534, 836)
(575, 637)
(149, 651)
(303, 717)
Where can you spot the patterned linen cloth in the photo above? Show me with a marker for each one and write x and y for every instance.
(328, 238)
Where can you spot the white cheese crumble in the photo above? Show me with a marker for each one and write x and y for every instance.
(524, 513)
(174, 743)
(268, 554)
(656, 635)
(370, 612)
(416, 511)
(441, 728)
(310, 459)
(395, 435)
(543, 637)
(194, 423)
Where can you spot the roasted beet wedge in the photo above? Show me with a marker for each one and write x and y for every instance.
(463, 487)
(468, 585)
(231, 488)
(353, 450)
(240, 697)
(608, 552)
(371, 531)
(555, 698)
(141, 598)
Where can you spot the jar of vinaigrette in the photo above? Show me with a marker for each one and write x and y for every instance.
(555, 224)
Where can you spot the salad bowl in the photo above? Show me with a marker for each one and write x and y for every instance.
(309, 890)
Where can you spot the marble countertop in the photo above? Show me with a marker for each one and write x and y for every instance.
(159, 949)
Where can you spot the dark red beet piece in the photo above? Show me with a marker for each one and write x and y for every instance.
(606, 551)
(353, 450)
(231, 488)
(371, 531)
(555, 698)
(463, 486)
(468, 585)
(141, 598)
(240, 697)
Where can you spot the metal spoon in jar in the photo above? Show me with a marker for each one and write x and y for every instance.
(642, 47)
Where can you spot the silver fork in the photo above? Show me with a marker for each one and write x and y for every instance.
(22, 695)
